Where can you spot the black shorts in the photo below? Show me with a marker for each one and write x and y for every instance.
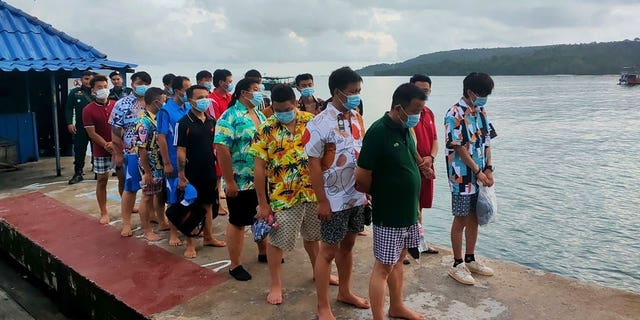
(207, 194)
(242, 208)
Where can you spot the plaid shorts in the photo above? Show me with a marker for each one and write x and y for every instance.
(463, 204)
(301, 218)
(102, 165)
(350, 220)
(155, 187)
(388, 242)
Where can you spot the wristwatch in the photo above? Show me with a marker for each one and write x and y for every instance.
(490, 168)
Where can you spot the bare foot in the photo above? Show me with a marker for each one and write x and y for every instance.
(333, 280)
(213, 243)
(353, 300)
(325, 314)
(126, 231)
(164, 226)
(104, 219)
(190, 252)
(405, 313)
(174, 241)
(152, 236)
(275, 295)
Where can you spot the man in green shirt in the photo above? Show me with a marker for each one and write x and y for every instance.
(77, 100)
(389, 170)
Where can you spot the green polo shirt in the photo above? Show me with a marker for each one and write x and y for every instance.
(388, 150)
(77, 100)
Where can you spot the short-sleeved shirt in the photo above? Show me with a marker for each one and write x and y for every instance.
(97, 116)
(389, 152)
(464, 127)
(336, 138)
(426, 135)
(167, 120)
(287, 164)
(146, 138)
(126, 114)
(77, 100)
(236, 130)
(196, 136)
(220, 103)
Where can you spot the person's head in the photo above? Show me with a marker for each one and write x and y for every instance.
(179, 85)
(198, 98)
(154, 99)
(253, 73)
(205, 78)
(476, 87)
(86, 78)
(304, 84)
(167, 79)
(423, 82)
(222, 79)
(247, 91)
(100, 87)
(345, 85)
(116, 79)
(406, 105)
(140, 82)
(283, 102)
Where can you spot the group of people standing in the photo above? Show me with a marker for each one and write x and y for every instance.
(310, 165)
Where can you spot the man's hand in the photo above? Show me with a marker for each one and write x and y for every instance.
(489, 175)
(231, 188)
(71, 128)
(119, 159)
(109, 147)
(147, 178)
(168, 170)
(264, 211)
(430, 174)
(484, 179)
(182, 181)
(324, 210)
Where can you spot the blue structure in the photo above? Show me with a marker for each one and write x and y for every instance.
(35, 62)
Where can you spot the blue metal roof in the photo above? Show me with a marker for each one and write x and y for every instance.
(27, 43)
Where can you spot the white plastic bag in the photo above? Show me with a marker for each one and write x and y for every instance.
(487, 206)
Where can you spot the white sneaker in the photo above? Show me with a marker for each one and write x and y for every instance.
(461, 274)
(479, 268)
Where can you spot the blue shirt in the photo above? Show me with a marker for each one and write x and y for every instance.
(167, 122)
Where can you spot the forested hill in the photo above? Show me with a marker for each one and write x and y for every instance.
(592, 58)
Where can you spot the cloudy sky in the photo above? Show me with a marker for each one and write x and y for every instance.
(287, 37)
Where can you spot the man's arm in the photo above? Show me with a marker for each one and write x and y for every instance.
(487, 172)
(363, 180)
(164, 152)
(260, 177)
(317, 182)
(468, 161)
(224, 157)
(117, 144)
(182, 164)
(97, 139)
(143, 154)
(68, 112)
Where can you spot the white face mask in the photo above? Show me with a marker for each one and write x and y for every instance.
(102, 94)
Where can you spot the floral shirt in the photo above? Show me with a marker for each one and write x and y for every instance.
(236, 130)
(126, 114)
(472, 130)
(146, 138)
(287, 163)
(336, 138)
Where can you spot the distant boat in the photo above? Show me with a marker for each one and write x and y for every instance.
(629, 77)
(269, 82)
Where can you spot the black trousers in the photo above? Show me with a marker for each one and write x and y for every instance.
(80, 141)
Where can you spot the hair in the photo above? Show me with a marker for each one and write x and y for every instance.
(242, 85)
(253, 73)
(405, 93)
(153, 94)
(478, 82)
(220, 75)
(142, 75)
(178, 82)
(202, 75)
(282, 93)
(167, 79)
(193, 88)
(302, 77)
(340, 78)
(98, 78)
(88, 73)
(420, 78)
(115, 73)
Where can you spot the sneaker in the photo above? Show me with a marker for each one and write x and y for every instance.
(240, 274)
(461, 274)
(479, 268)
(76, 178)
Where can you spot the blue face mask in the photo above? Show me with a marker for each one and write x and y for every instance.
(202, 104)
(353, 101)
(480, 101)
(170, 91)
(412, 119)
(256, 100)
(141, 90)
(230, 87)
(184, 98)
(285, 117)
(208, 85)
(307, 92)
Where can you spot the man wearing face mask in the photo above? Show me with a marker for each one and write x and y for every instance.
(77, 100)
(388, 170)
(196, 162)
(332, 141)
(118, 91)
(308, 102)
(468, 154)
(205, 78)
(95, 117)
(123, 120)
(167, 80)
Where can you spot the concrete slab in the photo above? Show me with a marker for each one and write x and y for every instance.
(515, 292)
